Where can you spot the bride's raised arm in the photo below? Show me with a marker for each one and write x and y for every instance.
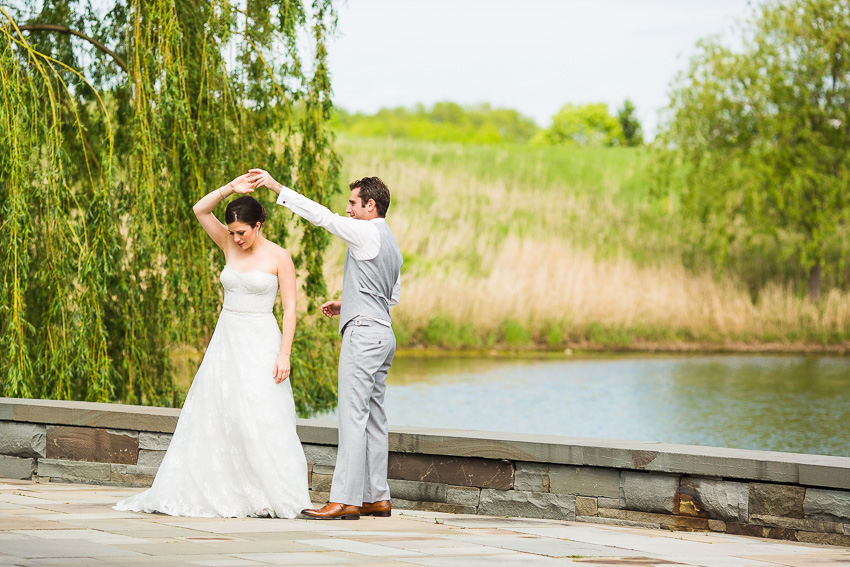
(204, 207)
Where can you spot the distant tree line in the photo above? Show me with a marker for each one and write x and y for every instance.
(582, 125)
(593, 125)
(445, 122)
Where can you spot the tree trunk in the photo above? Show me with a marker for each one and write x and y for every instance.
(814, 282)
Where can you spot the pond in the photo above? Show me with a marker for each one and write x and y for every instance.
(781, 403)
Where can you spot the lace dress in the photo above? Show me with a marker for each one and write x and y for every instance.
(235, 451)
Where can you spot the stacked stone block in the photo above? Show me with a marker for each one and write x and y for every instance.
(21, 445)
(421, 482)
(792, 497)
(80, 454)
(635, 498)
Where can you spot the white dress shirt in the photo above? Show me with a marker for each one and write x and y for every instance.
(361, 236)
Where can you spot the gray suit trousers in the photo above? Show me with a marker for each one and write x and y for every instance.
(361, 464)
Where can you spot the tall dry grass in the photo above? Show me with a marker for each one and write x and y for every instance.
(495, 261)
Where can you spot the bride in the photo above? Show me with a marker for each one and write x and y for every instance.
(235, 451)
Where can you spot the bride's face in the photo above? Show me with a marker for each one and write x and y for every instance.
(243, 235)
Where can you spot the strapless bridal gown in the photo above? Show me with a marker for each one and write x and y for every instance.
(235, 451)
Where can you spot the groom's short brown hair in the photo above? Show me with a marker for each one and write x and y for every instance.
(373, 188)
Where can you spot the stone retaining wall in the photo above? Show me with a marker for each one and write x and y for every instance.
(766, 494)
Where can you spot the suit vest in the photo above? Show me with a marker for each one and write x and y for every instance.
(367, 285)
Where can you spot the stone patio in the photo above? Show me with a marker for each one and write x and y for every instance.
(74, 525)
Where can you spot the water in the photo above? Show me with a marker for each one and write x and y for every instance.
(781, 403)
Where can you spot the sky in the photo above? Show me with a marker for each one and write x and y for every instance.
(530, 55)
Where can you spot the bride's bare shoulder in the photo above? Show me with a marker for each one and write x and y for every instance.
(280, 253)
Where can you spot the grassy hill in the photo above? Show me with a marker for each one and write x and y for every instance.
(518, 246)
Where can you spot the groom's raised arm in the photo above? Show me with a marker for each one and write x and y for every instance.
(361, 236)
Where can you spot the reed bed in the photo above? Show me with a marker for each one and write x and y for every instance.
(492, 259)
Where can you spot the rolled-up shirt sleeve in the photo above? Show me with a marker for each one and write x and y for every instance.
(362, 236)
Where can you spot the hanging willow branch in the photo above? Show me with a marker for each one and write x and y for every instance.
(107, 281)
(60, 29)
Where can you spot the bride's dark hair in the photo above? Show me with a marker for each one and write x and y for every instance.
(245, 209)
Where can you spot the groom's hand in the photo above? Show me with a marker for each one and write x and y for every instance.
(331, 308)
(262, 178)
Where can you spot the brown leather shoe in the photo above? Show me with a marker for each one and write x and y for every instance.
(333, 511)
(381, 508)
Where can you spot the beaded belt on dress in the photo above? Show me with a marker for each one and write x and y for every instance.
(245, 312)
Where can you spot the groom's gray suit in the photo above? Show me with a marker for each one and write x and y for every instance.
(368, 346)
(370, 287)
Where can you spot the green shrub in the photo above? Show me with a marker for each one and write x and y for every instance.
(605, 335)
(514, 334)
(444, 331)
(553, 334)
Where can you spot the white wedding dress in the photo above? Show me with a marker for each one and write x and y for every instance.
(235, 451)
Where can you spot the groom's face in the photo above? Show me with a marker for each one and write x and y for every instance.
(355, 208)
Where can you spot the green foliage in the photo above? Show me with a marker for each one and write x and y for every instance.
(446, 332)
(445, 121)
(584, 125)
(105, 271)
(514, 334)
(553, 333)
(318, 163)
(313, 378)
(619, 172)
(629, 124)
(608, 335)
(757, 144)
(612, 211)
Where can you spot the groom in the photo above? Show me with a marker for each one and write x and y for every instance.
(370, 286)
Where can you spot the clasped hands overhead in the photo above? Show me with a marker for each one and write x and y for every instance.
(254, 179)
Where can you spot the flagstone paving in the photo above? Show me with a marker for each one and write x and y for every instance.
(74, 525)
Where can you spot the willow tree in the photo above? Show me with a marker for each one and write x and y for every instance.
(758, 139)
(114, 123)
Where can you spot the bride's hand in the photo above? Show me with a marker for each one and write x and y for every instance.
(281, 368)
(262, 178)
(241, 185)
